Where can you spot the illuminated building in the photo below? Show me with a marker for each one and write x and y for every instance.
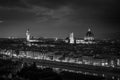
(71, 38)
(89, 36)
(27, 35)
(88, 39)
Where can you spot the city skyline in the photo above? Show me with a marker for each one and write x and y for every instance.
(59, 18)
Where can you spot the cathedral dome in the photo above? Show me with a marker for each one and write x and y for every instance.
(89, 33)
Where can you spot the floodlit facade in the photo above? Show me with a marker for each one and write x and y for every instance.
(28, 37)
(88, 39)
(71, 38)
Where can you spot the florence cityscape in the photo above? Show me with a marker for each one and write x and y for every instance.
(59, 40)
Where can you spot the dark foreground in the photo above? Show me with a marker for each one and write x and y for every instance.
(16, 70)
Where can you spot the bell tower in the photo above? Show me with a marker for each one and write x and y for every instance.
(27, 35)
(71, 38)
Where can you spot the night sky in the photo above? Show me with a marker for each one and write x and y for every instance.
(58, 18)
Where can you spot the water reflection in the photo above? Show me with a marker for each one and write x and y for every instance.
(59, 70)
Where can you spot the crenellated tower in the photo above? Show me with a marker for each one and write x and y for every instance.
(28, 35)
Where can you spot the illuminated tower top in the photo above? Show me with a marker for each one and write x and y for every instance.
(89, 29)
(27, 32)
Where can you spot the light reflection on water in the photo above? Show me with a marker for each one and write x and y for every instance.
(59, 70)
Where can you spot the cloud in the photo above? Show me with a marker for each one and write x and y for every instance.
(104, 10)
(42, 9)
(1, 21)
(12, 3)
(51, 14)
